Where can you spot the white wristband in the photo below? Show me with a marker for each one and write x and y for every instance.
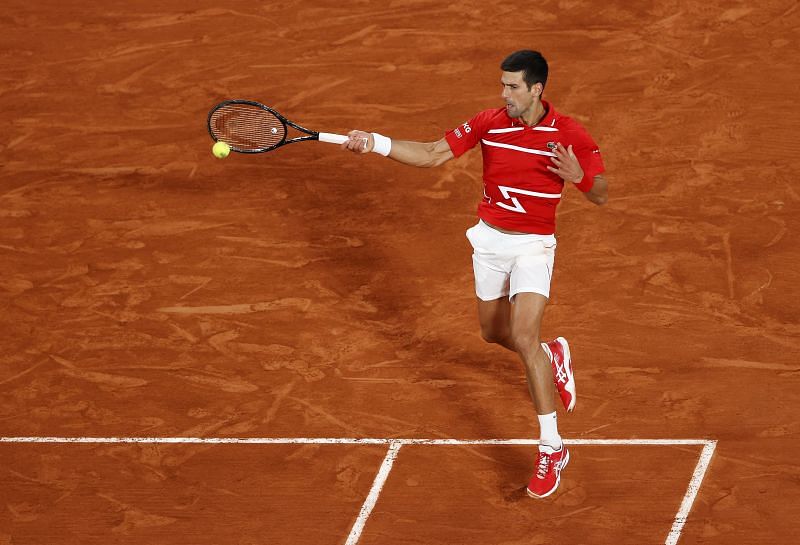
(383, 144)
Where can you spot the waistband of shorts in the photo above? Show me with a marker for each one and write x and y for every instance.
(518, 237)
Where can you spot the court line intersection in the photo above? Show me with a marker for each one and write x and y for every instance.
(393, 449)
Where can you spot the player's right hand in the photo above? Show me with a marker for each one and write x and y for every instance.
(359, 142)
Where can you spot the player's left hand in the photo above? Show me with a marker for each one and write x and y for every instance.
(566, 164)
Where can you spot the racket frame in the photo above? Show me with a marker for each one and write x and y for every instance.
(312, 135)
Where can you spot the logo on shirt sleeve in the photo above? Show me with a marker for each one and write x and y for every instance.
(467, 130)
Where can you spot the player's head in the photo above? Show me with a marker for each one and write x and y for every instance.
(524, 78)
(532, 65)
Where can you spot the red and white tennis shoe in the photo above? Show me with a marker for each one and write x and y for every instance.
(558, 350)
(548, 471)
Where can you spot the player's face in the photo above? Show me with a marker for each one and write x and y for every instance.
(519, 99)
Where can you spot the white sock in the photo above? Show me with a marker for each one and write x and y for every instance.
(548, 431)
(546, 350)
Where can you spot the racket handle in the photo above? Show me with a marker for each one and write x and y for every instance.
(332, 138)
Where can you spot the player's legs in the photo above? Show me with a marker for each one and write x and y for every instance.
(517, 268)
(512, 282)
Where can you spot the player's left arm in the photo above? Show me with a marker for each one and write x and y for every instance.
(568, 167)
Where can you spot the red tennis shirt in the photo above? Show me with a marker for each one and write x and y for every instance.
(519, 193)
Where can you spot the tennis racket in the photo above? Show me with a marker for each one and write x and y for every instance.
(250, 127)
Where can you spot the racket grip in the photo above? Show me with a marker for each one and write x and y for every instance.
(332, 138)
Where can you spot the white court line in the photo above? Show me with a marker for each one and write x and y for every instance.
(375, 491)
(343, 441)
(691, 493)
(709, 446)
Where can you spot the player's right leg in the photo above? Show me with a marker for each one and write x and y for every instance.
(492, 274)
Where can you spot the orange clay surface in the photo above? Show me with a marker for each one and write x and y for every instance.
(149, 289)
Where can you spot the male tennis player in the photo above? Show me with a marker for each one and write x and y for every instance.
(529, 152)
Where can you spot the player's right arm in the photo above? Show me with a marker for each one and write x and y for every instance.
(418, 154)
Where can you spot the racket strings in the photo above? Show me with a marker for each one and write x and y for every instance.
(247, 127)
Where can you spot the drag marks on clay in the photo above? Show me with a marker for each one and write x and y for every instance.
(104, 380)
(218, 379)
(167, 228)
(745, 364)
(734, 14)
(20, 249)
(200, 281)
(782, 230)
(24, 372)
(451, 174)
(346, 107)
(782, 430)
(317, 411)
(150, 21)
(133, 518)
(219, 342)
(184, 333)
(14, 142)
(401, 427)
(328, 242)
(265, 243)
(126, 52)
(309, 371)
(393, 15)
(442, 68)
(314, 90)
(361, 33)
(73, 271)
(18, 213)
(289, 264)
(280, 393)
(126, 84)
(244, 308)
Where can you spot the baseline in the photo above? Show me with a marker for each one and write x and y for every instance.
(394, 446)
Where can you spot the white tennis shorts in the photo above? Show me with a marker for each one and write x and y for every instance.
(506, 265)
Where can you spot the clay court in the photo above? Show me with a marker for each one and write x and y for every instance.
(284, 347)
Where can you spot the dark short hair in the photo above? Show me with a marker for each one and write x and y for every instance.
(531, 63)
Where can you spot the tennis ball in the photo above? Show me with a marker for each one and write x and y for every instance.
(221, 150)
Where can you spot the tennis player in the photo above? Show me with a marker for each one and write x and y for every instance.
(530, 152)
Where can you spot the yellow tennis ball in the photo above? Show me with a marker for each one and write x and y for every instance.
(221, 150)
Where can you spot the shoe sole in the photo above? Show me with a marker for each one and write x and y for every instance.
(558, 481)
(568, 357)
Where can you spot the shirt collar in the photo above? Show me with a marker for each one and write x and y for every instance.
(548, 120)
